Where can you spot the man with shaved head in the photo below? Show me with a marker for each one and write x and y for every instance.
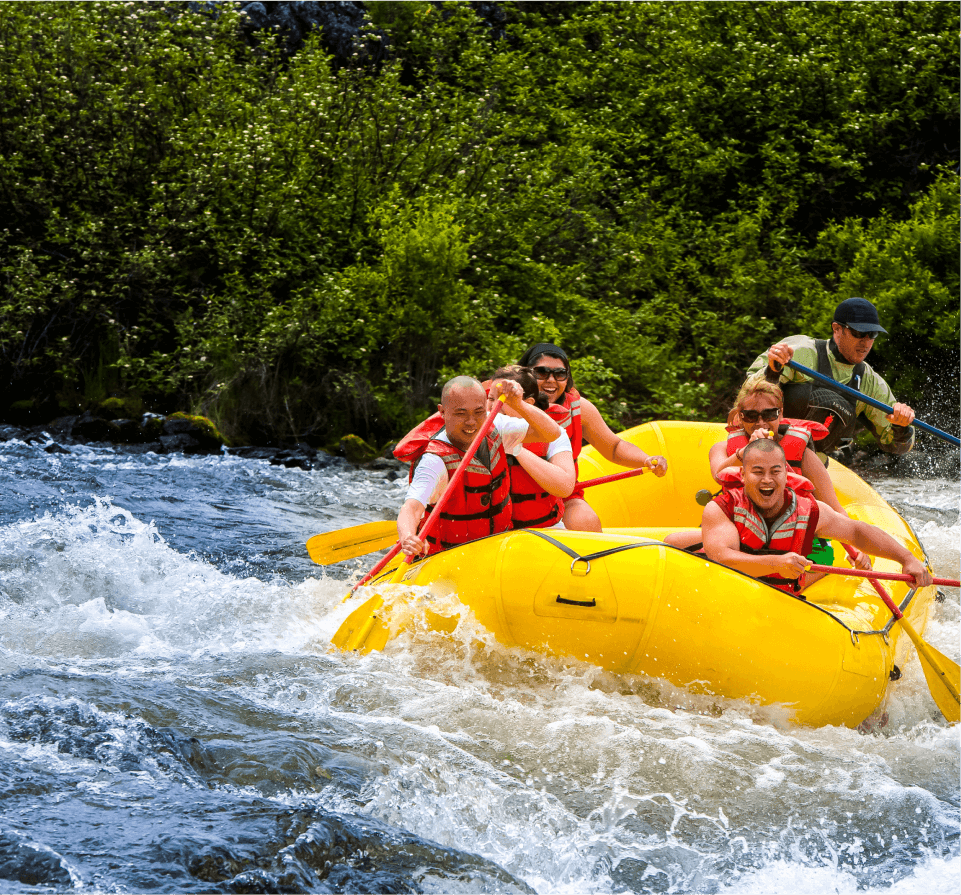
(765, 527)
(482, 505)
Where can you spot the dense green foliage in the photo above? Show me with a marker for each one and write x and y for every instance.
(300, 244)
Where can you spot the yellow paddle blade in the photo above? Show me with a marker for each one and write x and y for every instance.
(363, 629)
(367, 628)
(942, 674)
(348, 543)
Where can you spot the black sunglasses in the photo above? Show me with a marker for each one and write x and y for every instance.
(752, 416)
(871, 334)
(560, 374)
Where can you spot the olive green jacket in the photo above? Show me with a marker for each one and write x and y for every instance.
(891, 438)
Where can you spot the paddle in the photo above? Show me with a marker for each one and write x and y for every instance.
(348, 543)
(943, 675)
(880, 576)
(364, 629)
(358, 540)
(613, 477)
(858, 396)
(455, 480)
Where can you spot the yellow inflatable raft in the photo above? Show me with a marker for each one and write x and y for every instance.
(625, 601)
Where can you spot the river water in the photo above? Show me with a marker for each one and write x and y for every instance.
(172, 718)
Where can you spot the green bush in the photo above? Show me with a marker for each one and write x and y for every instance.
(303, 249)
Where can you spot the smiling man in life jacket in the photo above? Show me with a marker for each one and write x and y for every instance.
(842, 357)
(482, 504)
(765, 528)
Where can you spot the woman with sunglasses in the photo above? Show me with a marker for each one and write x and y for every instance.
(758, 413)
(581, 419)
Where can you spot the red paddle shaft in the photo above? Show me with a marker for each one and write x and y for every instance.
(455, 480)
(613, 477)
(882, 593)
(881, 576)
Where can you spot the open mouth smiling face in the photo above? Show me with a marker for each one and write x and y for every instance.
(765, 478)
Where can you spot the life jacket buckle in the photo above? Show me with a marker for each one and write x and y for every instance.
(854, 638)
(587, 568)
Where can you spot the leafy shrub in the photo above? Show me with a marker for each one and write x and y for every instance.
(298, 248)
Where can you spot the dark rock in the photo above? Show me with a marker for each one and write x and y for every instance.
(384, 463)
(30, 864)
(116, 407)
(356, 450)
(205, 7)
(34, 435)
(62, 426)
(284, 19)
(291, 460)
(392, 476)
(323, 460)
(493, 17)
(90, 427)
(250, 452)
(197, 427)
(152, 426)
(130, 431)
(340, 23)
(302, 456)
(154, 446)
(54, 448)
(184, 444)
(8, 433)
(177, 427)
(257, 13)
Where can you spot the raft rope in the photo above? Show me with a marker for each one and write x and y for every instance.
(600, 554)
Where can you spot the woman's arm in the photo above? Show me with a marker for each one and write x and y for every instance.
(814, 471)
(718, 457)
(540, 426)
(614, 448)
(556, 476)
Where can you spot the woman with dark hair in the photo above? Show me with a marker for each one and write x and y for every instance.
(583, 422)
(541, 474)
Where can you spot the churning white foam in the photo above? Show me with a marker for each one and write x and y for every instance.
(96, 582)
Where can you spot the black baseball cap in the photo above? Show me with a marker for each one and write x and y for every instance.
(858, 314)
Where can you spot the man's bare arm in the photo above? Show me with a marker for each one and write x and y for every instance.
(872, 540)
(722, 544)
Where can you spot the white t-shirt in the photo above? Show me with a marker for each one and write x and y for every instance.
(430, 476)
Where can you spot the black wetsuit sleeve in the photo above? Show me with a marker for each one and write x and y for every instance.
(902, 437)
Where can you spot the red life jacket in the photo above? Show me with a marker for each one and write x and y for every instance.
(567, 414)
(531, 505)
(795, 436)
(482, 504)
(412, 446)
(792, 532)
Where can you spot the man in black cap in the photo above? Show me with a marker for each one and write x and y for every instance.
(841, 357)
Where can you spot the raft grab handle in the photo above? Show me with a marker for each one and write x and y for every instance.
(566, 602)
